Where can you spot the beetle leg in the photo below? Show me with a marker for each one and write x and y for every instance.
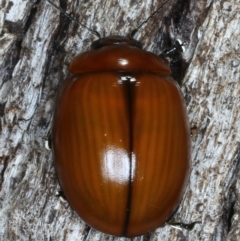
(61, 196)
(180, 226)
(48, 142)
(176, 48)
(173, 57)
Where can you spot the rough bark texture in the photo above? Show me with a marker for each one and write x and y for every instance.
(37, 44)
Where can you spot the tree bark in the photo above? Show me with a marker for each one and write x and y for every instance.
(38, 43)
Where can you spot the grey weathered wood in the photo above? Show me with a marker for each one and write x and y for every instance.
(36, 48)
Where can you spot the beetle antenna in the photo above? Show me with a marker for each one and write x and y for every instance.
(96, 33)
(145, 21)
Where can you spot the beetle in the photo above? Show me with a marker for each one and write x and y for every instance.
(121, 139)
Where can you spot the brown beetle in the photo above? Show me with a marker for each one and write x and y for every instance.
(121, 138)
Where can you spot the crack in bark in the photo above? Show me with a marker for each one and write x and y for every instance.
(87, 232)
(231, 199)
(5, 162)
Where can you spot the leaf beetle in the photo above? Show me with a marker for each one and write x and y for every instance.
(120, 137)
